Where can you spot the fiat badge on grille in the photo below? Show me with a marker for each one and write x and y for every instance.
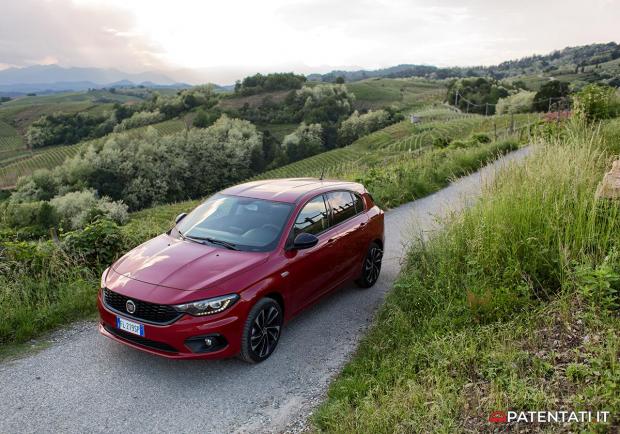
(130, 306)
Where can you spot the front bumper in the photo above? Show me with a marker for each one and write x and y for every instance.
(171, 340)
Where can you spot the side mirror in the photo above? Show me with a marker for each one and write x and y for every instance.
(180, 217)
(305, 241)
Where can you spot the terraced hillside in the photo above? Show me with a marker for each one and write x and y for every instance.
(56, 155)
(403, 139)
(11, 144)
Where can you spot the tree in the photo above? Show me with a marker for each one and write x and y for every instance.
(304, 142)
(476, 95)
(551, 91)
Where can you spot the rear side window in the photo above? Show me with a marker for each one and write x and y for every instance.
(312, 218)
(342, 206)
(359, 203)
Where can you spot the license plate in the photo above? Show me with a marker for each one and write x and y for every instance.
(129, 326)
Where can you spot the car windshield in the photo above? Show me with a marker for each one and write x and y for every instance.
(235, 222)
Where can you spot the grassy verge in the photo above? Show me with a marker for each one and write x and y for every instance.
(409, 177)
(512, 307)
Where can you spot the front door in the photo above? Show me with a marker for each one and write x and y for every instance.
(311, 271)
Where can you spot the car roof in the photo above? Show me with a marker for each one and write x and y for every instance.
(289, 189)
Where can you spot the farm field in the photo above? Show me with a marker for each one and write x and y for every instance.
(402, 94)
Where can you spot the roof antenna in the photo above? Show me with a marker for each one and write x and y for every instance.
(322, 173)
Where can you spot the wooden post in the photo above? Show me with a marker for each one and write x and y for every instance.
(495, 129)
(512, 123)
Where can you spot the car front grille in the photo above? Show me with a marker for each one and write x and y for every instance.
(145, 311)
(161, 346)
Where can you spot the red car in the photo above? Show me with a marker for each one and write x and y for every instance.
(228, 275)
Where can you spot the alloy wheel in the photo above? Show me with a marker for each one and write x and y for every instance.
(372, 265)
(265, 331)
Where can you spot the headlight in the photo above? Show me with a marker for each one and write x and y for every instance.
(208, 306)
(103, 277)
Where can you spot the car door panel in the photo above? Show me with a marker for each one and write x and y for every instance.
(309, 270)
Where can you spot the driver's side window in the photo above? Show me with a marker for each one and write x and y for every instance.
(312, 219)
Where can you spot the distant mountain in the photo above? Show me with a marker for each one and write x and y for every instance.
(55, 74)
(567, 58)
(54, 78)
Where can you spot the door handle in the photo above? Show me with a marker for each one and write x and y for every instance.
(362, 224)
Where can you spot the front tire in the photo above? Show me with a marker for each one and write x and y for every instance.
(371, 268)
(261, 331)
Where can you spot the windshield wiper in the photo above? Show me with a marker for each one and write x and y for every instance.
(222, 243)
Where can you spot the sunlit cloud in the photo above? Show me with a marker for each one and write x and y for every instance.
(222, 41)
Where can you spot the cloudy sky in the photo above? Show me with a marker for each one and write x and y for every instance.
(221, 41)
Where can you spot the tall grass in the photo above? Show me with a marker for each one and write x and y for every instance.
(40, 289)
(408, 177)
(460, 333)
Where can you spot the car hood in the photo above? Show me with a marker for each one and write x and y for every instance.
(185, 265)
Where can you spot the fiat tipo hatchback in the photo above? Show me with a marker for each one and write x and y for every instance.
(229, 274)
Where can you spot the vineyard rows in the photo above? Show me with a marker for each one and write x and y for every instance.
(401, 140)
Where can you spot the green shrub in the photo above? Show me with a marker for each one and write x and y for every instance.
(99, 243)
(78, 208)
(441, 141)
(481, 138)
(521, 102)
(458, 144)
(139, 119)
(594, 102)
(31, 214)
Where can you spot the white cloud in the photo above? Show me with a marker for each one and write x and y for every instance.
(227, 39)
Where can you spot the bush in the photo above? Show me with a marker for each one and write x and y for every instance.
(139, 119)
(481, 138)
(99, 243)
(31, 214)
(594, 102)
(78, 208)
(358, 125)
(205, 119)
(551, 90)
(521, 102)
(63, 128)
(480, 91)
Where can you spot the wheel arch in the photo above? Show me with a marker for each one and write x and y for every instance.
(277, 297)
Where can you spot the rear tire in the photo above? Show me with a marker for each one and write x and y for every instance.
(371, 268)
(261, 331)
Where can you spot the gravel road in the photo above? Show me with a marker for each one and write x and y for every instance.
(86, 383)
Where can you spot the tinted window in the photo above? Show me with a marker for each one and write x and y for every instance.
(342, 206)
(359, 203)
(312, 218)
(249, 224)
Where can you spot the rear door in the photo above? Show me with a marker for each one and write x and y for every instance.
(347, 232)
